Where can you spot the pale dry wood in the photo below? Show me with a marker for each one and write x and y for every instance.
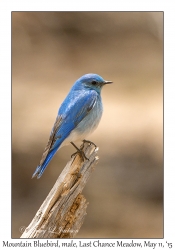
(62, 212)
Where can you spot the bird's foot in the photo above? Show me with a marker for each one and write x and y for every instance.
(80, 152)
(90, 142)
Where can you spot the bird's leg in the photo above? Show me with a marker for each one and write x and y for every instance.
(79, 151)
(90, 142)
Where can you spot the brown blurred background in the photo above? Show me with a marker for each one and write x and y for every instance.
(50, 51)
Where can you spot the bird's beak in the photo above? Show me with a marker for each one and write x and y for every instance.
(107, 82)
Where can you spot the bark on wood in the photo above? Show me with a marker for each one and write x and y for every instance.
(62, 212)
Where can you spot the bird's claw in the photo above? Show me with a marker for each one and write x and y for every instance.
(81, 153)
(90, 142)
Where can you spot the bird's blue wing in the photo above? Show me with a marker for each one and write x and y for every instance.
(72, 111)
(75, 108)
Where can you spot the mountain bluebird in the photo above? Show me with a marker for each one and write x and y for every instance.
(78, 116)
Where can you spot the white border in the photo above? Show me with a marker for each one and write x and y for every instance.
(169, 93)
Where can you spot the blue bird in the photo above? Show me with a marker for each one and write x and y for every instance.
(78, 116)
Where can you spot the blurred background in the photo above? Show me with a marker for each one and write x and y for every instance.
(50, 51)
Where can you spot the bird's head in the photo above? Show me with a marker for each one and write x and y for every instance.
(91, 81)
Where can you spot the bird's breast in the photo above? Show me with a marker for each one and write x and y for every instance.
(88, 124)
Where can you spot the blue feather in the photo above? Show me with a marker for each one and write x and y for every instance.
(80, 112)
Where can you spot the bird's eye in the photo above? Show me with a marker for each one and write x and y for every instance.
(94, 82)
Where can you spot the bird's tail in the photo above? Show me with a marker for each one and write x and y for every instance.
(40, 169)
